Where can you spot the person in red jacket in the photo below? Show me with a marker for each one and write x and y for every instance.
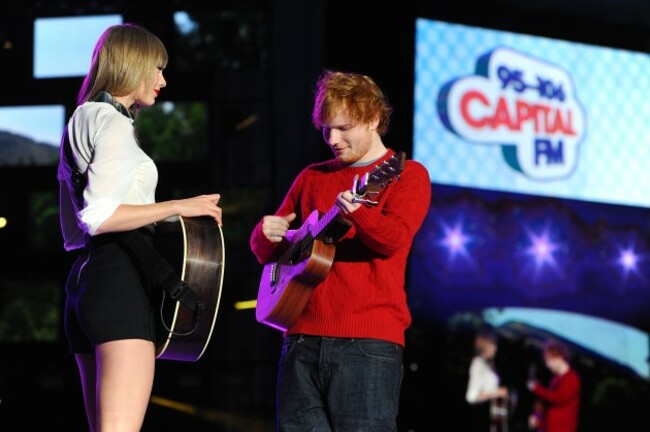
(341, 360)
(558, 405)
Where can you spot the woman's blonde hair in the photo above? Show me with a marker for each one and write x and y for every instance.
(122, 60)
(358, 94)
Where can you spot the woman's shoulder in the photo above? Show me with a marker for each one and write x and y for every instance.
(98, 112)
(93, 118)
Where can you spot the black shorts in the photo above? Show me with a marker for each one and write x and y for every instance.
(107, 297)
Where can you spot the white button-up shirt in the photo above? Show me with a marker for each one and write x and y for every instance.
(118, 171)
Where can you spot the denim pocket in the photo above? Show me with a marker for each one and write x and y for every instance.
(380, 350)
(288, 345)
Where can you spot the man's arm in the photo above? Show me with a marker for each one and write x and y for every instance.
(385, 231)
(567, 389)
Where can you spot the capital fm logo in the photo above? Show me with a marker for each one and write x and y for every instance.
(526, 106)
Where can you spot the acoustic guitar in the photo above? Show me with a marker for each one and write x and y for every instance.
(194, 247)
(287, 284)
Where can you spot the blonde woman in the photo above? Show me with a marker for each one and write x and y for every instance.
(483, 388)
(108, 186)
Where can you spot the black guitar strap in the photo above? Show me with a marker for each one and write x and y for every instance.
(160, 271)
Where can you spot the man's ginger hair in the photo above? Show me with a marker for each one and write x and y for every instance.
(357, 94)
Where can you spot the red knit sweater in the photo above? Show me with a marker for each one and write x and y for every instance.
(363, 294)
(562, 403)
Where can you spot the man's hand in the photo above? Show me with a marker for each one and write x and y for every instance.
(275, 227)
(345, 202)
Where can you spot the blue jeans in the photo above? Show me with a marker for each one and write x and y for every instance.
(335, 384)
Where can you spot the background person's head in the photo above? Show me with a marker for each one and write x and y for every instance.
(556, 356)
(486, 343)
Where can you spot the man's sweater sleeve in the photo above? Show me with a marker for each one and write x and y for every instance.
(566, 389)
(386, 230)
(263, 249)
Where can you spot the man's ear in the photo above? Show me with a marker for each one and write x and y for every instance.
(374, 124)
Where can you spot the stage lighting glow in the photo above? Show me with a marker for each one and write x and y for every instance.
(455, 240)
(541, 249)
(628, 260)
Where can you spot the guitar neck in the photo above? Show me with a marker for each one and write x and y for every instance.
(330, 227)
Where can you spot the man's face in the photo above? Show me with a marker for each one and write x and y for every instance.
(553, 363)
(349, 141)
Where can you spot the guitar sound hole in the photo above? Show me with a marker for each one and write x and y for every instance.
(303, 251)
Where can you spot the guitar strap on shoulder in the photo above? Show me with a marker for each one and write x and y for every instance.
(77, 179)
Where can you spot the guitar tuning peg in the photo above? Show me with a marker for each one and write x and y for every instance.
(354, 189)
(360, 185)
(364, 182)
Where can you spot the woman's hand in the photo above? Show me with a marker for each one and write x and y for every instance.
(202, 205)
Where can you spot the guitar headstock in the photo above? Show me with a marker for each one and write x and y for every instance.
(375, 180)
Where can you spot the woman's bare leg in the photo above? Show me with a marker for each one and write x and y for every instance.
(125, 369)
(88, 373)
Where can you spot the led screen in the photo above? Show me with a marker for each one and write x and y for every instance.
(540, 217)
(512, 112)
(63, 46)
(30, 135)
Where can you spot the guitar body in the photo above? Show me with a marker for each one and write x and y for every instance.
(286, 287)
(499, 414)
(194, 247)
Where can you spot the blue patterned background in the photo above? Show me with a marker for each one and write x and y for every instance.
(613, 86)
